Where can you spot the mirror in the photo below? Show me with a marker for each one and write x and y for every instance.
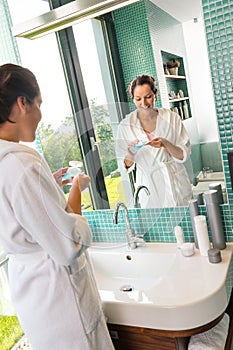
(175, 28)
(178, 30)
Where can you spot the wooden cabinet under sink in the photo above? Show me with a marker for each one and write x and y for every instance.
(137, 338)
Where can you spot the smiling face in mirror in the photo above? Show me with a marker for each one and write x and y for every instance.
(155, 143)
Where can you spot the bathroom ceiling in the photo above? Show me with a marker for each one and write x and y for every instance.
(181, 10)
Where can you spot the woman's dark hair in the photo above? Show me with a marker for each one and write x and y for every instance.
(141, 80)
(15, 81)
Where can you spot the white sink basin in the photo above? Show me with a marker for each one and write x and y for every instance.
(154, 286)
(119, 267)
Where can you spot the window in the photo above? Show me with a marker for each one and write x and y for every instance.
(80, 115)
(103, 108)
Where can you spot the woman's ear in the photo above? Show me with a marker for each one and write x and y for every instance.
(21, 102)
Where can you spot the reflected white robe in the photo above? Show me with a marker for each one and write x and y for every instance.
(165, 176)
(52, 287)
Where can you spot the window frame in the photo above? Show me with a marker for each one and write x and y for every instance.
(79, 102)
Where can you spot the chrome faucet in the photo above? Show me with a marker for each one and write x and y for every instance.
(136, 193)
(132, 238)
(206, 170)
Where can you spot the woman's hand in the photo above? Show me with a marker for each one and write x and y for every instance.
(173, 150)
(158, 142)
(129, 158)
(131, 147)
(80, 183)
(59, 174)
(82, 180)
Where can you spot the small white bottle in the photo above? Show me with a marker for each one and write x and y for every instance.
(202, 234)
(179, 236)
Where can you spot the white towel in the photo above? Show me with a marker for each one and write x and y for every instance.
(6, 306)
(213, 339)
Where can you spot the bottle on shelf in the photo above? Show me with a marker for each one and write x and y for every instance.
(166, 71)
(181, 111)
(185, 110)
(181, 93)
(175, 109)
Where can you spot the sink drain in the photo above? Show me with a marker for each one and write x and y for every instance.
(127, 288)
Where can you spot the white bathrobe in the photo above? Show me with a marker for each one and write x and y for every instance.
(165, 176)
(52, 287)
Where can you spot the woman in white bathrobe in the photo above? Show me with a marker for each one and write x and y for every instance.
(156, 142)
(45, 237)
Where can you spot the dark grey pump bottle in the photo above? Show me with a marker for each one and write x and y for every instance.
(215, 219)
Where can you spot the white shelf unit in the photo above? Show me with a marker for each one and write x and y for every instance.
(175, 77)
(176, 83)
(178, 99)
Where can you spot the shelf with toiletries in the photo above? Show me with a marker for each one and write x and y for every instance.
(178, 99)
(175, 77)
(176, 83)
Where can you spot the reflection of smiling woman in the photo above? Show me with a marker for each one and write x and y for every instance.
(166, 146)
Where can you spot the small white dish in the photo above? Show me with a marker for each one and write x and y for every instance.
(187, 249)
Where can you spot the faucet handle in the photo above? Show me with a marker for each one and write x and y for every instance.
(206, 170)
(139, 239)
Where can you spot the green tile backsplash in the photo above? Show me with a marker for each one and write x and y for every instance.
(156, 224)
(136, 53)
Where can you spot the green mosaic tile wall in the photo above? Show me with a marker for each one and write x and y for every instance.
(137, 57)
(157, 225)
(134, 42)
(218, 18)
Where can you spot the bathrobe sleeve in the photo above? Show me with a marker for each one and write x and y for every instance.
(128, 131)
(41, 213)
(122, 141)
(180, 136)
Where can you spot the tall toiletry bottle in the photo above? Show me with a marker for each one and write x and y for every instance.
(181, 111)
(193, 209)
(185, 110)
(218, 188)
(214, 219)
(202, 234)
(199, 198)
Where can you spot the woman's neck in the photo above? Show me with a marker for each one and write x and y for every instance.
(148, 120)
(8, 132)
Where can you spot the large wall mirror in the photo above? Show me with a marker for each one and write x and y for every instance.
(176, 30)
(163, 28)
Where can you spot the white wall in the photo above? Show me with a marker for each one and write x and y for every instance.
(200, 81)
(188, 41)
